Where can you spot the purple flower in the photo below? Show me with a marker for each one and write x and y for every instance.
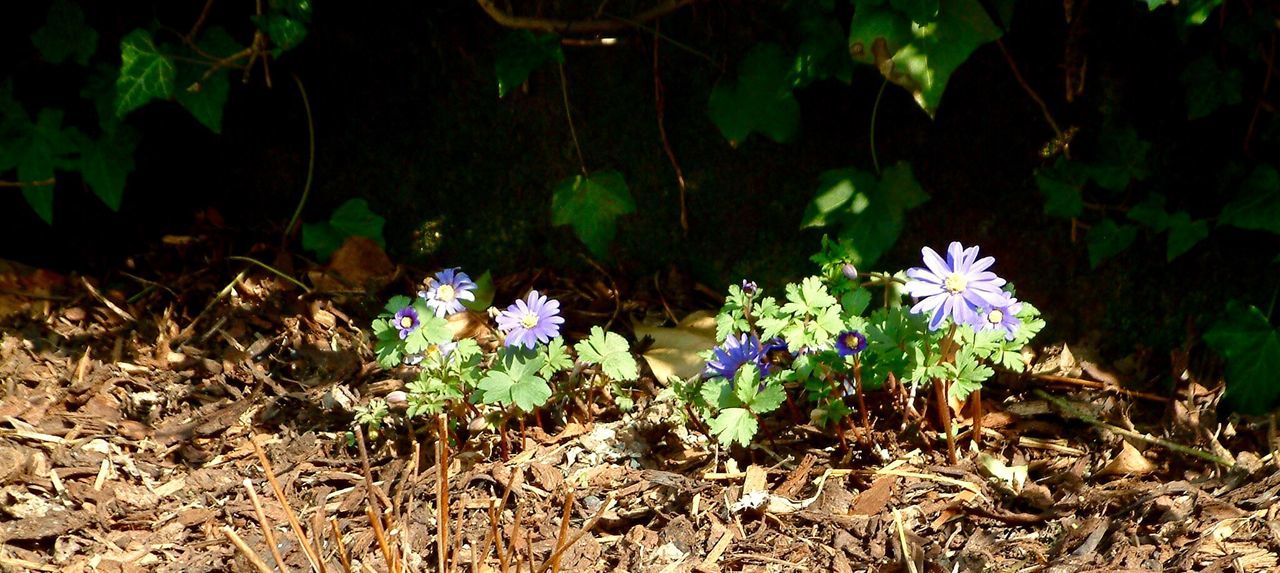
(850, 342)
(449, 288)
(533, 319)
(1002, 317)
(773, 351)
(406, 321)
(727, 358)
(957, 287)
(750, 288)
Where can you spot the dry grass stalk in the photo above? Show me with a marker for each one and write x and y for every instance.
(307, 550)
(264, 524)
(564, 530)
(342, 547)
(378, 533)
(244, 550)
(442, 492)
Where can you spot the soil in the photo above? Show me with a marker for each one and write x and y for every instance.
(149, 424)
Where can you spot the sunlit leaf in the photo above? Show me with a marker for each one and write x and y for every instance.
(145, 73)
(870, 212)
(611, 352)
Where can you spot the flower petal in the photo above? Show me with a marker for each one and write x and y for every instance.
(935, 263)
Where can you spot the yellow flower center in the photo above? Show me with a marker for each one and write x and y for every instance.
(444, 293)
(406, 321)
(529, 320)
(995, 317)
(955, 283)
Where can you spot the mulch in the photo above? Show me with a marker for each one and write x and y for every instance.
(139, 410)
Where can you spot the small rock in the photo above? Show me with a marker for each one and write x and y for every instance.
(74, 314)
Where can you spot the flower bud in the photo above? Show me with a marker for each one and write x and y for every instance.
(850, 271)
(749, 288)
(398, 400)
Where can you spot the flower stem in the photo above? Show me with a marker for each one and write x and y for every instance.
(564, 91)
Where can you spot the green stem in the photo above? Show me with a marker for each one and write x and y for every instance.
(875, 111)
(311, 162)
(1087, 418)
(274, 270)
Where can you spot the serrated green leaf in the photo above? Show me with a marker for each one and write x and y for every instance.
(592, 205)
(1151, 213)
(760, 101)
(922, 57)
(855, 301)
(521, 52)
(1256, 205)
(611, 352)
(514, 380)
(1210, 87)
(768, 399)
(555, 358)
(65, 35)
(1252, 349)
(809, 298)
(1106, 239)
(718, 393)
(145, 73)
(1184, 234)
(397, 303)
(105, 164)
(734, 425)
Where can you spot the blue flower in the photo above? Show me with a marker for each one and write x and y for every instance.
(727, 358)
(850, 342)
(958, 287)
(533, 319)
(1002, 317)
(448, 289)
(406, 321)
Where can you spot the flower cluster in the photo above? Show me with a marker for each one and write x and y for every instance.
(962, 288)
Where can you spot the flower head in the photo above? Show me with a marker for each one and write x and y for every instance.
(448, 289)
(750, 288)
(406, 321)
(533, 319)
(1001, 317)
(773, 351)
(957, 287)
(727, 358)
(850, 342)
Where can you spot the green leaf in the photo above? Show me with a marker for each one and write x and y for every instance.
(105, 164)
(1252, 349)
(922, 57)
(1107, 239)
(769, 399)
(920, 11)
(1062, 186)
(431, 331)
(1121, 157)
(145, 73)
(285, 32)
(734, 425)
(41, 148)
(483, 293)
(808, 298)
(822, 53)
(352, 218)
(591, 205)
(204, 99)
(520, 53)
(1210, 87)
(389, 348)
(855, 301)
(555, 358)
(514, 380)
(65, 35)
(1184, 234)
(718, 393)
(1198, 11)
(870, 213)
(760, 100)
(1151, 213)
(611, 352)
(397, 303)
(1257, 205)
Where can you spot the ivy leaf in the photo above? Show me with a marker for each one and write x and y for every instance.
(65, 35)
(611, 352)
(1062, 186)
(734, 425)
(922, 57)
(1210, 87)
(520, 53)
(105, 164)
(1184, 234)
(1252, 349)
(352, 218)
(285, 32)
(40, 149)
(1257, 205)
(870, 212)
(1122, 157)
(514, 380)
(1151, 213)
(920, 11)
(145, 73)
(1107, 239)
(822, 53)
(760, 100)
(555, 358)
(204, 97)
(591, 205)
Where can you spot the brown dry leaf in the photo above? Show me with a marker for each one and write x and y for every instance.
(675, 351)
(1129, 462)
(360, 264)
(873, 500)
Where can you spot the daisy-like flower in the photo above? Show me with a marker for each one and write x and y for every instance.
(958, 287)
(449, 288)
(1002, 317)
(406, 321)
(850, 342)
(533, 319)
(727, 358)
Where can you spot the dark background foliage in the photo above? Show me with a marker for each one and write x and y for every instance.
(407, 116)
